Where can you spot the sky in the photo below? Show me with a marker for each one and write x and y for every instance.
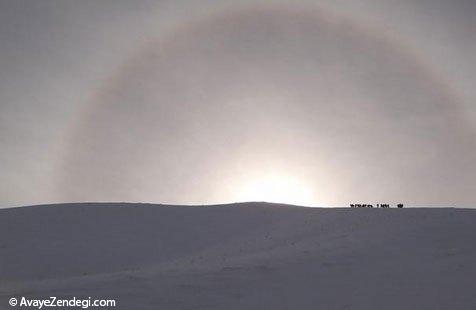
(317, 103)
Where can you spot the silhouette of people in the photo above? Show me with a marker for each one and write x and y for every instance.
(379, 205)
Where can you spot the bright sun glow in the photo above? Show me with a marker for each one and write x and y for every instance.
(276, 188)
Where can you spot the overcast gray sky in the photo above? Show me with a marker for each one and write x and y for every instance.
(308, 102)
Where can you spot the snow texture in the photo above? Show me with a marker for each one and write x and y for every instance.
(240, 256)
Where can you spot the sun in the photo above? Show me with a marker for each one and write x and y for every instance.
(276, 188)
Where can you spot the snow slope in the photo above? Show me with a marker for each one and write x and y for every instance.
(240, 256)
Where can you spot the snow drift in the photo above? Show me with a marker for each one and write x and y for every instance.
(240, 256)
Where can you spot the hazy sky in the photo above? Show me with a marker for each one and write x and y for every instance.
(308, 102)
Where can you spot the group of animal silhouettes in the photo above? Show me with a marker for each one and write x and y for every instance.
(379, 205)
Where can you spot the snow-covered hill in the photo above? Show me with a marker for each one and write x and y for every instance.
(240, 256)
